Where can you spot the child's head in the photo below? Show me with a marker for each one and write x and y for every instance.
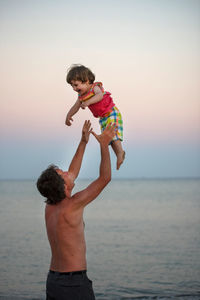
(80, 73)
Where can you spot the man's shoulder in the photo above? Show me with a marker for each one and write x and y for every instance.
(70, 205)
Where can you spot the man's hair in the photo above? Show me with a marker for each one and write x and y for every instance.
(81, 73)
(51, 185)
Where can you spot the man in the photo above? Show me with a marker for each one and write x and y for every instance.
(67, 278)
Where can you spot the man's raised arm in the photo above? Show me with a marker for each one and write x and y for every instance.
(76, 162)
(94, 189)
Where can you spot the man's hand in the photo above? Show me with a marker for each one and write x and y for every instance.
(107, 135)
(68, 120)
(86, 131)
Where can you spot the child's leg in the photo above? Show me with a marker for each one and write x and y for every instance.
(114, 117)
(120, 153)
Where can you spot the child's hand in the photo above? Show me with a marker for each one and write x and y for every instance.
(83, 105)
(68, 121)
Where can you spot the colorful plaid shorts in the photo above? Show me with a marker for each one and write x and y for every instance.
(113, 117)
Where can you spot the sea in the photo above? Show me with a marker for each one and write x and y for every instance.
(142, 235)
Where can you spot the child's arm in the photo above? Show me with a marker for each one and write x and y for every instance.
(96, 98)
(73, 110)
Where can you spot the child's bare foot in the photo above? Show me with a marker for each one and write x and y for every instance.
(120, 159)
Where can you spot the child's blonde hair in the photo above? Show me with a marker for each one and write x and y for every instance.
(81, 73)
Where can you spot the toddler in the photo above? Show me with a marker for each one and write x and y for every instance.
(92, 95)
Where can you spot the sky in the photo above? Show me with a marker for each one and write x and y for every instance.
(146, 53)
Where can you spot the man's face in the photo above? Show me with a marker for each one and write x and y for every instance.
(67, 178)
(80, 87)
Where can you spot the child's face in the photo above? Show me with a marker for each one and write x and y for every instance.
(80, 87)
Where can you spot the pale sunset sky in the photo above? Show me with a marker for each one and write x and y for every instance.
(146, 53)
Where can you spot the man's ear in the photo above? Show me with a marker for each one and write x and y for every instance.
(68, 194)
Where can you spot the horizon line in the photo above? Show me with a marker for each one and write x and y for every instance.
(117, 179)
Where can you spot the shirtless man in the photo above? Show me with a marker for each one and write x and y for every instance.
(67, 278)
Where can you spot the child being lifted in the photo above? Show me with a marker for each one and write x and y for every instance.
(92, 95)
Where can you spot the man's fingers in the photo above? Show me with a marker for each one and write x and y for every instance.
(111, 128)
(87, 125)
(92, 132)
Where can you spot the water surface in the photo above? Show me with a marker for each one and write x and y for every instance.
(143, 240)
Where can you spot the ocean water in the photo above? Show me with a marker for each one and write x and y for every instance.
(143, 240)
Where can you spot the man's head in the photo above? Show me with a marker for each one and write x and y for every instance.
(51, 185)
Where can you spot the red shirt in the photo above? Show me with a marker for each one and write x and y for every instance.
(102, 107)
